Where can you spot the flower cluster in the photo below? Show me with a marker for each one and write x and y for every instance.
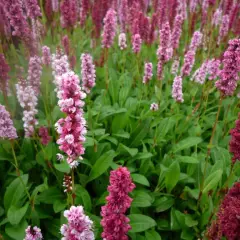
(136, 43)
(68, 13)
(148, 67)
(79, 225)
(217, 17)
(88, 72)
(28, 101)
(60, 65)
(109, 29)
(177, 89)
(234, 143)
(33, 233)
(33, 9)
(34, 73)
(15, 15)
(71, 129)
(122, 41)
(46, 56)
(213, 69)
(66, 44)
(177, 31)
(231, 66)
(115, 223)
(154, 107)
(201, 73)
(165, 50)
(175, 67)
(223, 28)
(7, 130)
(67, 183)
(44, 136)
(4, 70)
(189, 60)
(227, 223)
(196, 41)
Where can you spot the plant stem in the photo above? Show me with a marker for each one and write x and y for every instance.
(18, 173)
(209, 148)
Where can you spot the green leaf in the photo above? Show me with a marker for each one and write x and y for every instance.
(16, 232)
(163, 203)
(15, 214)
(132, 151)
(62, 167)
(83, 194)
(187, 159)
(212, 181)
(140, 132)
(152, 235)
(59, 205)
(50, 195)
(186, 143)
(138, 178)
(15, 191)
(141, 199)
(140, 223)
(101, 165)
(172, 176)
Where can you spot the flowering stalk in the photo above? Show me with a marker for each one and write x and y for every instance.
(28, 101)
(71, 129)
(33, 233)
(227, 223)
(46, 56)
(88, 72)
(177, 89)
(148, 67)
(115, 223)
(79, 225)
(136, 43)
(7, 130)
(231, 67)
(109, 29)
(33, 9)
(44, 136)
(34, 73)
(122, 41)
(4, 77)
(68, 10)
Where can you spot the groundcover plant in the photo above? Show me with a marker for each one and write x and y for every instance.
(119, 119)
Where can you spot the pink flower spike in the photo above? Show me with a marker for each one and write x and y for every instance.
(88, 72)
(148, 67)
(7, 130)
(154, 107)
(34, 73)
(115, 223)
(136, 43)
(46, 56)
(79, 225)
(33, 9)
(28, 101)
(33, 233)
(69, 14)
(227, 83)
(177, 89)
(44, 136)
(122, 41)
(4, 77)
(109, 29)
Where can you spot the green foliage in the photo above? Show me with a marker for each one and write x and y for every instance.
(179, 176)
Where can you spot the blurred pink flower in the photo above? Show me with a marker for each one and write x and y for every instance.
(115, 223)
(79, 225)
(109, 29)
(177, 89)
(7, 130)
